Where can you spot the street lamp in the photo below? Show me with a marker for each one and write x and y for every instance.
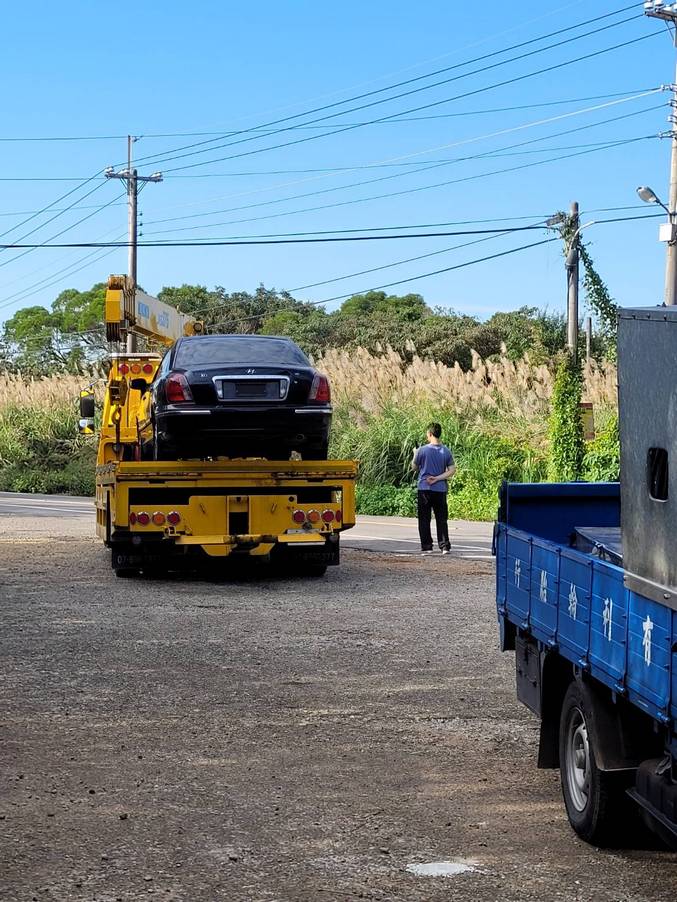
(650, 197)
(667, 232)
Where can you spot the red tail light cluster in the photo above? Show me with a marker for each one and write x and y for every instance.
(158, 518)
(319, 390)
(313, 516)
(135, 368)
(177, 389)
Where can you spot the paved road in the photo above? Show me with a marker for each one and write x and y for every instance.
(256, 738)
(395, 535)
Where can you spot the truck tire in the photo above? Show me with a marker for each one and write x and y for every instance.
(120, 562)
(595, 800)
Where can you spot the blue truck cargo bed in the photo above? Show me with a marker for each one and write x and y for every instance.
(557, 583)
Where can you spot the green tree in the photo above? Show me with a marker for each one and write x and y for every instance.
(195, 300)
(310, 327)
(29, 340)
(530, 331)
(407, 307)
(567, 445)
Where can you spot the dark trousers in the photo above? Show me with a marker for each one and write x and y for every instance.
(435, 502)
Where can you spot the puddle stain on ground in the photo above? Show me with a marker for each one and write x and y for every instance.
(442, 868)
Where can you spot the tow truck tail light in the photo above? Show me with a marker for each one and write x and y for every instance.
(313, 516)
(173, 517)
(147, 368)
(177, 389)
(159, 518)
(142, 518)
(123, 369)
(132, 519)
(328, 516)
(320, 391)
(338, 517)
(136, 368)
(299, 517)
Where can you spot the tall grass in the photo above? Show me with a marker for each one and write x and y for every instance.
(40, 449)
(494, 417)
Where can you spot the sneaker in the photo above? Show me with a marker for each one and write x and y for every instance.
(426, 553)
(446, 551)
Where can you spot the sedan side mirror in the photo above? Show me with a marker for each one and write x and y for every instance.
(139, 385)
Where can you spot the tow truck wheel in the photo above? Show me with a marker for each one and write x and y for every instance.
(595, 800)
(121, 566)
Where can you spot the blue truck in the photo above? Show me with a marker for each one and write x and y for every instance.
(586, 593)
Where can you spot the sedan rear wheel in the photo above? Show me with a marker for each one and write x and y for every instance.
(162, 450)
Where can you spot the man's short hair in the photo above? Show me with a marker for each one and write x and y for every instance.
(435, 429)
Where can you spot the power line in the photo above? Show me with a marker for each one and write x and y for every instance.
(465, 114)
(318, 240)
(415, 278)
(430, 165)
(32, 247)
(364, 272)
(417, 79)
(340, 129)
(404, 191)
(50, 280)
(50, 205)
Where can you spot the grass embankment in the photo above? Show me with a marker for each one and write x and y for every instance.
(494, 417)
(40, 449)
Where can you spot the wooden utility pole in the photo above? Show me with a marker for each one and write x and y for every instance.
(572, 261)
(132, 179)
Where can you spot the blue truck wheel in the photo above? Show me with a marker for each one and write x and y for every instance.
(596, 801)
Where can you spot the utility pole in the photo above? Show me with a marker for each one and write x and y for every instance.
(132, 179)
(588, 339)
(572, 281)
(656, 9)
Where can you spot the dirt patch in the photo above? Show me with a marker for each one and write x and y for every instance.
(261, 738)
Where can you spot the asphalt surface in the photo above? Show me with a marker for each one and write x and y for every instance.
(246, 736)
(394, 535)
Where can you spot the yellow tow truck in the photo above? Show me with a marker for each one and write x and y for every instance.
(158, 516)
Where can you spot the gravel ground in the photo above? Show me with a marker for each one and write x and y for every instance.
(259, 738)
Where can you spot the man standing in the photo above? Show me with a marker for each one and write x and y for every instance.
(435, 465)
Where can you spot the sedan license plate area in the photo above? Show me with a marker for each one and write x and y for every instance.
(251, 388)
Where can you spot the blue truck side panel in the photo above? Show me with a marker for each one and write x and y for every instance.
(578, 602)
(608, 625)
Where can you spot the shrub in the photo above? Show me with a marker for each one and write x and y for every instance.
(602, 461)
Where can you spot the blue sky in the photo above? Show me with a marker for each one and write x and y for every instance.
(70, 70)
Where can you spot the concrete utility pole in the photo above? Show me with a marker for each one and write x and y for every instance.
(588, 338)
(132, 178)
(572, 282)
(657, 9)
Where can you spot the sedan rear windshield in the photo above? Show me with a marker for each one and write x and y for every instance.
(216, 350)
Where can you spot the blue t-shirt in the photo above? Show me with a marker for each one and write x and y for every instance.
(432, 460)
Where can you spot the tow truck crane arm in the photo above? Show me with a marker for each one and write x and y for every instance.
(128, 310)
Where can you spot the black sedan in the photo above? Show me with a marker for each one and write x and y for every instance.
(237, 396)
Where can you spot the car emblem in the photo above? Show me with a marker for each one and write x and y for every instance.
(250, 371)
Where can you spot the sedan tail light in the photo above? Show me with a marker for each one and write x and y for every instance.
(319, 390)
(177, 389)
